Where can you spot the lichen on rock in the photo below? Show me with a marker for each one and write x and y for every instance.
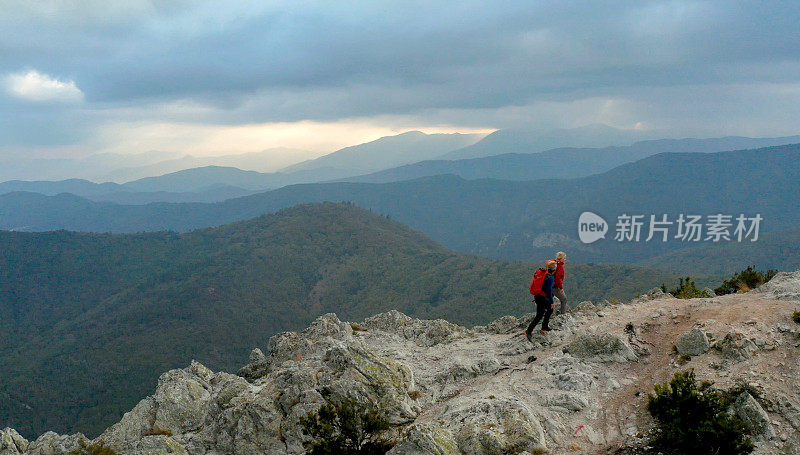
(753, 415)
(426, 439)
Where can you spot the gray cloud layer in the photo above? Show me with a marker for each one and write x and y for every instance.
(685, 65)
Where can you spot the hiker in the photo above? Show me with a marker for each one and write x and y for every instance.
(544, 301)
(561, 257)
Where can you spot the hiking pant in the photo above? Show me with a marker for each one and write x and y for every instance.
(544, 308)
(561, 298)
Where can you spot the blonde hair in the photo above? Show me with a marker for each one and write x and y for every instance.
(561, 256)
(551, 265)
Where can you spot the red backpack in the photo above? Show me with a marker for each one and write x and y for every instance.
(538, 279)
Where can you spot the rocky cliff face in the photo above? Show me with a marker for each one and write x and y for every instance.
(448, 389)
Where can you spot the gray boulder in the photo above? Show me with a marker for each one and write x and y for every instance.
(55, 444)
(382, 381)
(425, 439)
(489, 426)
(257, 366)
(182, 398)
(600, 348)
(708, 292)
(757, 420)
(567, 400)
(570, 374)
(652, 294)
(693, 343)
(506, 324)
(783, 286)
(133, 426)
(465, 369)
(427, 332)
(735, 346)
(153, 445)
(327, 325)
(11, 443)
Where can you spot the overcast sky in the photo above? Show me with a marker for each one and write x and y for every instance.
(87, 76)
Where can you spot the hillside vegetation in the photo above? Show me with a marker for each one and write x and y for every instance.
(776, 250)
(89, 319)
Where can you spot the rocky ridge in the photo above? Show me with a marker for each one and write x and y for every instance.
(448, 389)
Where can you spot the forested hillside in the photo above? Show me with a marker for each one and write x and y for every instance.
(777, 250)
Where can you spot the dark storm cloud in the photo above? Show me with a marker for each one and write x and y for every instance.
(258, 62)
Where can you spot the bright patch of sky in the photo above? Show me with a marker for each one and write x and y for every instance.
(37, 87)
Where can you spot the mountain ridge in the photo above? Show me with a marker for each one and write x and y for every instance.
(388, 151)
(563, 162)
(493, 218)
(198, 184)
(525, 140)
(448, 389)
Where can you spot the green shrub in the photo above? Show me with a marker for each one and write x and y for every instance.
(686, 289)
(94, 449)
(693, 418)
(349, 428)
(746, 280)
(796, 317)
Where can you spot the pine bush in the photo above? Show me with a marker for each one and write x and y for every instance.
(348, 428)
(693, 418)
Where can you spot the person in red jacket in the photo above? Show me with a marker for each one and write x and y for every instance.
(558, 286)
(544, 303)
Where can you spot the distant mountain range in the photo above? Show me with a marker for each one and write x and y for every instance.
(208, 184)
(371, 156)
(495, 218)
(520, 140)
(115, 167)
(268, 160)
(87, 321)
(186, 182)
(380, 154)
(90, 167)
(564, 162)
(388, 152)
(217, 183)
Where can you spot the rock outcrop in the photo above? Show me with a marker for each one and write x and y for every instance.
(447, 389)
(783, 286)
(754, 416)
(736, 346)
(600, 348)
(55, 444)
(11, 443)
(652, 294)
